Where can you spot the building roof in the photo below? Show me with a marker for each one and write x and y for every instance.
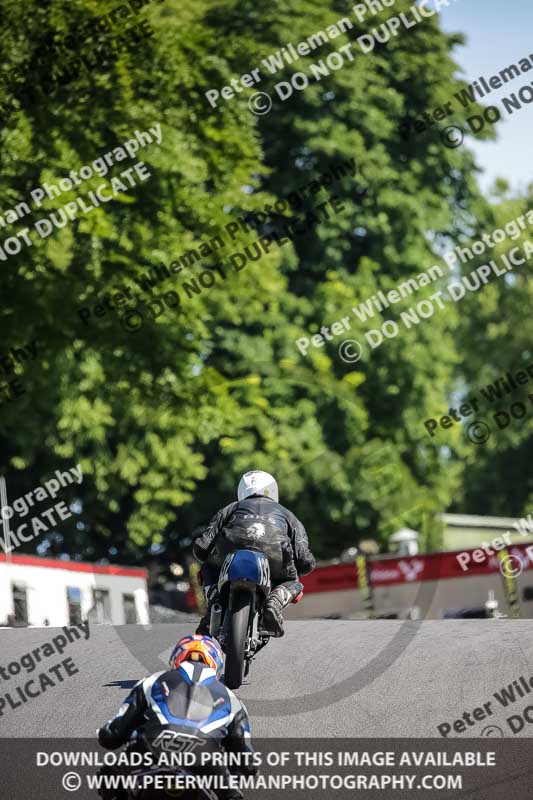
(75, 566)
(475, 521)
(404, 535)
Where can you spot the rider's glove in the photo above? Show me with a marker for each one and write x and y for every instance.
(248, 769)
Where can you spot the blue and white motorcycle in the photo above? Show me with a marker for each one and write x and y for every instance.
(243, 586)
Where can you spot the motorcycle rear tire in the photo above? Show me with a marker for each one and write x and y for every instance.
(240, 610)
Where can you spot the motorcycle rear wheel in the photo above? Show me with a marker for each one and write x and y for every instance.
(239, 613)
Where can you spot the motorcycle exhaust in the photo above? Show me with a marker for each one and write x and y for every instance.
(214, 622)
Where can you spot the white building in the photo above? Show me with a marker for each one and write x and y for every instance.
(40, 591)
(465, 531)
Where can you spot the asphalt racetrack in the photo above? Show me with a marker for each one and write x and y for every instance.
(323, 679)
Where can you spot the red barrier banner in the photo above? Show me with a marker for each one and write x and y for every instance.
(389, 570)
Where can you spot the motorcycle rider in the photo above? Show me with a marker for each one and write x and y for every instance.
(256, 521)
(187, 705)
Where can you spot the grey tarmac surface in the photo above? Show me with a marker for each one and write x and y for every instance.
(325, 678)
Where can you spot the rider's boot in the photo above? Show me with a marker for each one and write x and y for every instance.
(211, 597)
(279, 598)
(203, 625)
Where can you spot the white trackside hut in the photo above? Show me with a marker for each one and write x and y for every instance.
(43, 591)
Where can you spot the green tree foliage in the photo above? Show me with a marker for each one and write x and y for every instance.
(134, 409)
(365, 464)
(496, 330)
(164, 420)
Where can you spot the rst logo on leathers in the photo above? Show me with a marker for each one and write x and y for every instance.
(172, 742)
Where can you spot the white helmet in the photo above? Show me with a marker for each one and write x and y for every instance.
(258, 482)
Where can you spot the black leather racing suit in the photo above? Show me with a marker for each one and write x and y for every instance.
(182, 708)
(257, 523)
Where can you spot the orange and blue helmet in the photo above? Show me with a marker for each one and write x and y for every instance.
(198, 648)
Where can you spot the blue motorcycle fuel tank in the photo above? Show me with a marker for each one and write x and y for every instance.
(249, 565)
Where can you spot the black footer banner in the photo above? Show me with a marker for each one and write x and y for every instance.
(473, 769)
